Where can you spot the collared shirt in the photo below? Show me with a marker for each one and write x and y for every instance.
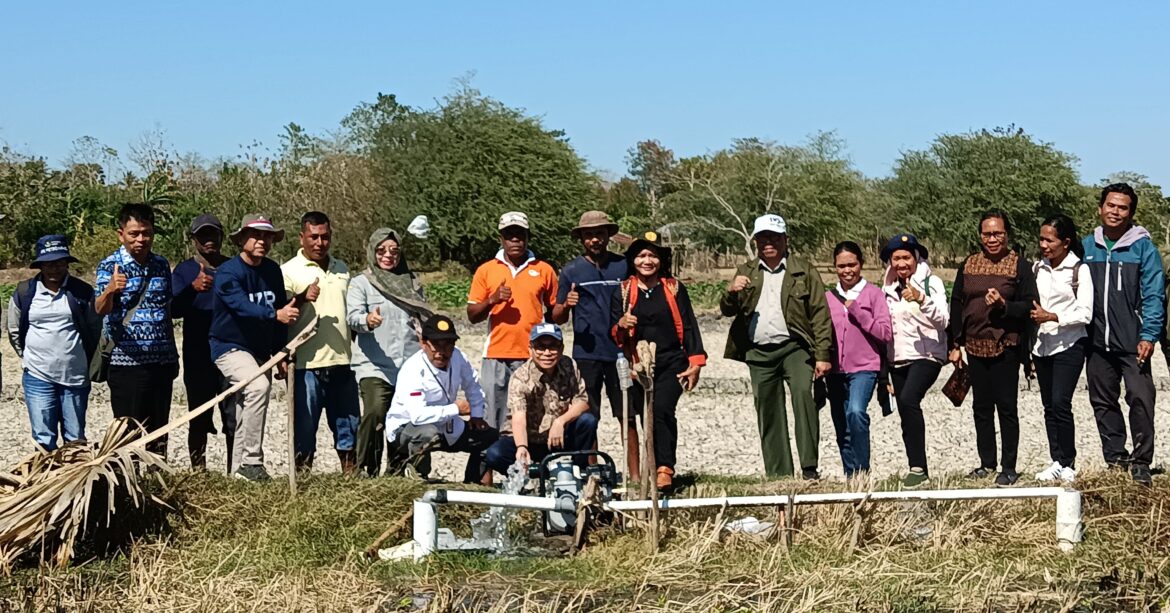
(543, 397)
(330, 346)
(852, 293)
(380, 352)
(53, 350)
(150, 336)
(596, 284)
(1073, 311)
(767, 325)
(534, 288)
(425, 394)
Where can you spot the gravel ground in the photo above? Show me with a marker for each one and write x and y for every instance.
(717, 425)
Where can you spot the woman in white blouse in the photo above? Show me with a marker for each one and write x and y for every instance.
(1064, 310)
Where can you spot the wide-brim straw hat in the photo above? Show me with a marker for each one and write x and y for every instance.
(594, 219)
(259, 222)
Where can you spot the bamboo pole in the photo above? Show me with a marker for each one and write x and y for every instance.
(291, 386)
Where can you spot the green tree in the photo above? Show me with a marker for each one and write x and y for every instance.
(469, 160)
(941, 191)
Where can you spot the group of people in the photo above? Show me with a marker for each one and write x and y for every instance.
(386, 373)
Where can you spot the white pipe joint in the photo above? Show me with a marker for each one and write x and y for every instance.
(1069, 526)
(426, 528)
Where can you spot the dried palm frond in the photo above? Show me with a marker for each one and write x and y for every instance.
(45, 501)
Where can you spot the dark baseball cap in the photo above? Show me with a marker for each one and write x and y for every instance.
(439, 328)
(206, 220)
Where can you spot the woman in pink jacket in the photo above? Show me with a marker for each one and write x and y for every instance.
(862, 333)
(918, 309)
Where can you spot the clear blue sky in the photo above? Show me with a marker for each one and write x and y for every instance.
(888, 76)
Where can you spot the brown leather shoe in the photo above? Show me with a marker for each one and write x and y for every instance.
(665, 478)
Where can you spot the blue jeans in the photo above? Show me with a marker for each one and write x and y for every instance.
(579, 436)
(849, 396)
(334, 389)
(52, 405)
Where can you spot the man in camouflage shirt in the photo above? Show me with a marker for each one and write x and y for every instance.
(547, 406)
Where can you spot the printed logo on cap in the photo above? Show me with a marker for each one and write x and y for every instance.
(443, 326)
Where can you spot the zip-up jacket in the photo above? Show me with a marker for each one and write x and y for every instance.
(1128, 291)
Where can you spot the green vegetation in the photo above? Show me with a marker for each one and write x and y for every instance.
(468, 158)
(239, 547)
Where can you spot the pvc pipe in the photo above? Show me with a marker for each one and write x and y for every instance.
(507, 501)
(781, 499)
(1069, 529)
(426, 529)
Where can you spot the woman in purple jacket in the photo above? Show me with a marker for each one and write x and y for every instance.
(862, 331)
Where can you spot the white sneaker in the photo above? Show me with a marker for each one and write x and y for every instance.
(1068, 474)
(1052, 473)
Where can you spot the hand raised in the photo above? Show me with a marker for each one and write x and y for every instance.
(203, 281)
(288, 314)
(503, 293)
(573, 297)
(313, 291)
(374, 318)
(738, 284)
(628, 320)
(117, 281)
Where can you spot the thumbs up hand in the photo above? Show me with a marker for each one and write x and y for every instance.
(313, 290)
(573, 297)
(374, 318)
(628, 320)
(117, 281)
(203, 281)
(503, 293)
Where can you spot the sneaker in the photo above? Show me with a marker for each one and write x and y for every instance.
(1006, 478)
(1052, 473)
(915, 478)
(1068, 474)
(810, 474)
(252, 472)
(1141, 475)
(980, 473)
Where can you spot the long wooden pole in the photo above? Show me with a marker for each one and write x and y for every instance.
(291, 386)
(283, 354)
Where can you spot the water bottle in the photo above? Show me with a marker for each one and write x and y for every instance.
(623, 369)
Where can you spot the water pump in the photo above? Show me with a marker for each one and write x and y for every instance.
(563, 476)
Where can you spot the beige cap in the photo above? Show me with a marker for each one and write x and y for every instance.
(513, 218)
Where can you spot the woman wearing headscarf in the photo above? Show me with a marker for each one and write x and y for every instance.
(653, 306)
(383, 307)
(918, 312)
(991, 306)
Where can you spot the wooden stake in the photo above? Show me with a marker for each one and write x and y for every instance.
(291, 386)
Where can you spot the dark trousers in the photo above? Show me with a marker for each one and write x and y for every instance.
(771, 367)
(1058, 375)
(414, 444)
(667, 391)
(995, 386)
(203, 381)
(376, 396)
(911, 382)
(1105, 372)
(597, 374)
(143, 394)
(580, 435)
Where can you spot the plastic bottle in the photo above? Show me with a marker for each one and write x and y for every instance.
(623, 369)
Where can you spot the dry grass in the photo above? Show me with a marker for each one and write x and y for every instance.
(240, 547)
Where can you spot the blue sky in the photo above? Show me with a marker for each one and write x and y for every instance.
(1092, 78)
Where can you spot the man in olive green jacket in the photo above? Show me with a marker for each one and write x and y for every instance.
(783, 331)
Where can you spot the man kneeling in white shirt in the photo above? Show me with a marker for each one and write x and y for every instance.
(426, 414)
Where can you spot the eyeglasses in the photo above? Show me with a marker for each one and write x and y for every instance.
(389, 251)
(999, 235)
(546, 348)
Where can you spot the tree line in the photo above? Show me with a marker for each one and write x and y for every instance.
(469, 157)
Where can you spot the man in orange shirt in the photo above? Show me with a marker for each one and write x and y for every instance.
(512, 291)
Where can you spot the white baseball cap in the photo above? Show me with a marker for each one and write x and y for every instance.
(513, 218)
(770, 223)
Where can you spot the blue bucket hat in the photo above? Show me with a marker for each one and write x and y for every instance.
(52, 248)
(903, 241)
